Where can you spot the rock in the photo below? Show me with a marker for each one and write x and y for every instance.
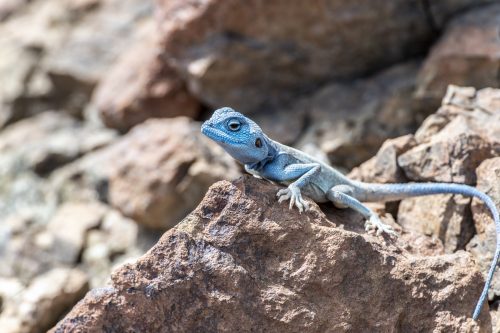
(54, 52)
(47, 141)
(67, 230)
(116, 239)
(488, 181)
(142, 85)
(366, 112)
(243, 262)
(383, 167)
(451, 143)
(155, 174)
(229, 56)
(482, 246)
(40, 305)
(8, 7)
(35, 147)
(468, 54)
(446, 217)
(161, 170)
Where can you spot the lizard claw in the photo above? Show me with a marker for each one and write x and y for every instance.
(375, 224)
(293, 193)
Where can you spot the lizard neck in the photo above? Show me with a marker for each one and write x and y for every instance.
(271, 155)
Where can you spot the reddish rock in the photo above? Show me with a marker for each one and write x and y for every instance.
(468, 54)
(383, 167)
(350, 121)
(446, 217)
(243, 262)
(453, 142)
(142, 85)
(230, 56)
(160, 170)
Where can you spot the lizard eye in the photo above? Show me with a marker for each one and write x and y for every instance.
(258, 143)
(234, 125)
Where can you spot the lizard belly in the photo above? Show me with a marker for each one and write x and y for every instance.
(314, 192)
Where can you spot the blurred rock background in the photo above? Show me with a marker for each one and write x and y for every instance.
(101, 103)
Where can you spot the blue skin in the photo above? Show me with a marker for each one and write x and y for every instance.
(244, 141)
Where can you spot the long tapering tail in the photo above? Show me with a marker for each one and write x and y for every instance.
(392, 192)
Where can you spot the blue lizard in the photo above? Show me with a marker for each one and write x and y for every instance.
(244, 140)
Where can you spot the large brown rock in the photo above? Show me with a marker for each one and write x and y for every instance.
(453, 142)
(243, 262)
(468, 54)
(246, 54)
(161, 170)
(155, 174)
(142, 85)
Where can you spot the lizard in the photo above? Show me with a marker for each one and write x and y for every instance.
(302, 174)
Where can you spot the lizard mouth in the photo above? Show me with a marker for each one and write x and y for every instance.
(218, 135)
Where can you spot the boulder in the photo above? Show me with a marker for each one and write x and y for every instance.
(468, 54)
(230, 56)
(350, 121)
(142, 85)
(155, 174)
(243, 262)
(161, 170)
(453, 142)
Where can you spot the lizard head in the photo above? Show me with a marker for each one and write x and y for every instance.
(239, 136)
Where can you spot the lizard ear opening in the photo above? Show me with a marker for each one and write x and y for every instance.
(258, 143)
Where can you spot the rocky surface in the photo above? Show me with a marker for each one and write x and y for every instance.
(229, 56)
(459, 143)
(333, 78)
(142, 85)
(468, 54)
(482, 246)
(243, 262)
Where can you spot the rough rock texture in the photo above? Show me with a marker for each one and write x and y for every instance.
(383, 167)
(482, 246)
(243, 262)
(468, 54)
(460, 143)
(453, 142)
(142, 85)
(447, 217)
(38, 307)
(155, 174)
(176, 167)
(230, 56)
(349, 122)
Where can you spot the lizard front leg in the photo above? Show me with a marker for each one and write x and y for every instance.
(303, 174)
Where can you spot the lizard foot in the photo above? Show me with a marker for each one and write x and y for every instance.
(293, 193)
(375, 224)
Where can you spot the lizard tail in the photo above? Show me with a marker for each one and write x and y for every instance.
(391, 192)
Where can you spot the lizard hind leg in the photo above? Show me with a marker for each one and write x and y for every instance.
(340, 196)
